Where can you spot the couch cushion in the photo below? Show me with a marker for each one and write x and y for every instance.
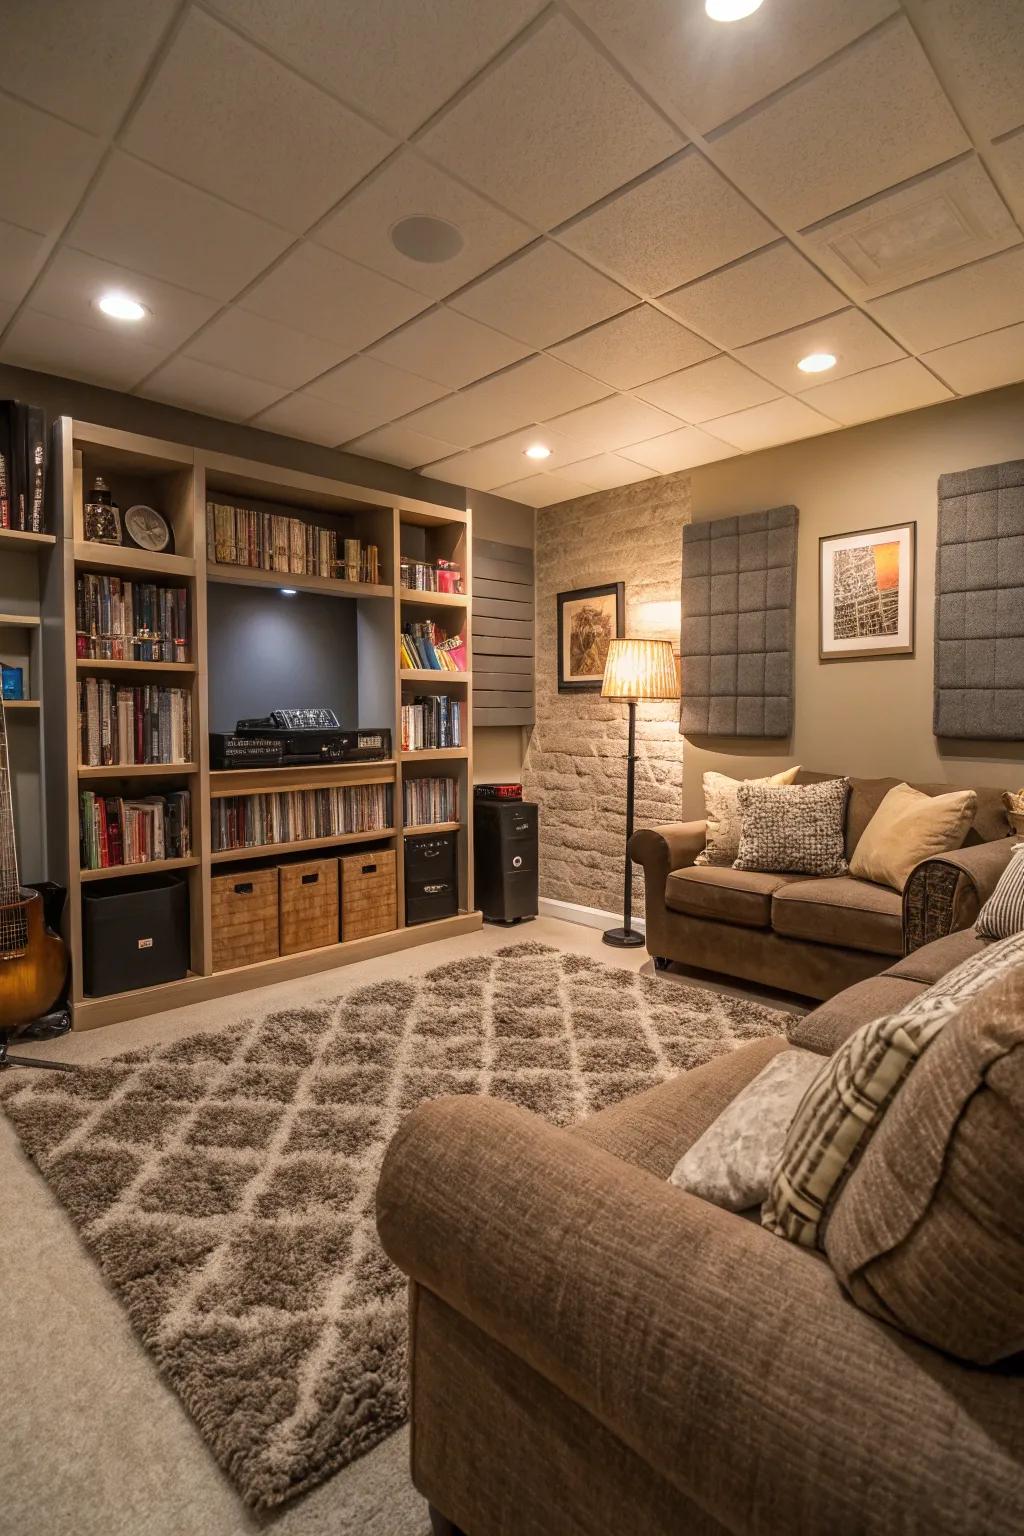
(842, 910)
(866, 795)
(933, 960)
(826, 1027)
(732, 895)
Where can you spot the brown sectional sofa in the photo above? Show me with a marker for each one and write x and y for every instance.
(803, 934)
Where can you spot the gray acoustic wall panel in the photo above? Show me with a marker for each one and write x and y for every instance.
(739, 576)
(979, 604)
(502, 634)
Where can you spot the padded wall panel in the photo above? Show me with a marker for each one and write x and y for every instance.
(502, 634)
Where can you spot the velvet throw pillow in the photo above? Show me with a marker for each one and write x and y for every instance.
(722, 813)
(1003, 913)
(910, 826)
(793, 828)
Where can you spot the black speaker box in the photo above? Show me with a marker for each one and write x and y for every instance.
(505, 859)
(431, 877)
(135, 933)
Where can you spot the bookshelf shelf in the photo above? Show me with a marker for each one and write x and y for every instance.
(433, 826)
(254, 781)
(435, 754)
(23, 542)
(179, 668)
(121, 560)
(415, 598)
(329, 586)
(24, 705)
(152, 866)
(337, 839)
(19, 621)
(137, 770)
(432, 675)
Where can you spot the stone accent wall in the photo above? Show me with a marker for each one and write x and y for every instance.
(575, 765)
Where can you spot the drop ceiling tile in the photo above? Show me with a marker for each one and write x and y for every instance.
(639, 345)
(82, 60)
(552, 128)
(327, 295)
(530, 391)
(409, 185)
(885, 391)
(854, 340)
(711, 389)
(398, 444)
(981, 297)
(542, 296)
(755, 297)
(675, 225)
(607, 471)
(765, 426)
(545, 490)
(44, 167)
(505, 459)
(6, 311)
(928, 225)
(150, 221)
(873, 116)
(1008, 159)
(978, 48)
(614, 423)
(684, 449)
(984, 362)
(77, 351)
(211, 391)
(223, 115)
(449, 348)
(73, 282)
(377, 387)
(314, 420)
(262, 349)
(21, 256)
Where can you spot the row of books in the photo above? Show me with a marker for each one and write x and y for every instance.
(425, 576)
(426, 801)
(430, 723)
(147, 724)
(117, 831)
(270, 541)
(22, 466)
(121, 620)
(426, 647)
(289, 816)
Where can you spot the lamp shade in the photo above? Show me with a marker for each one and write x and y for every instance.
(640, 669)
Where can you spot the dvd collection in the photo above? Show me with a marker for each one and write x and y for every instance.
(297, 815)
(423, 576)
(116, 831)
(120, 620)
(147, 724)
(426, 648)
(269, 541)
(428, 801)
(22, 466)
(431, 723)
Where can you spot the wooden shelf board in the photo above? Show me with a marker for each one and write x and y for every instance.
(132, 562)
(236, 855)
(20, 620)
(433, 826)
(252, 781)
(26, 541)
(428, 754)
(433, 599)
(91, 664)
(429, 675)
(135, 770)
(431, 517)
(153, 867)
(25, 704)
(245, 576)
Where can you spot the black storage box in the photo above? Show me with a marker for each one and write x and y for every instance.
(505, 858)
(431, 877)
(134, 933)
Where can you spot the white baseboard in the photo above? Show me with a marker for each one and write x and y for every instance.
(588, 917)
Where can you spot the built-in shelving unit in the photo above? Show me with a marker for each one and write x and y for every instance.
(24, 560)
(180, 481)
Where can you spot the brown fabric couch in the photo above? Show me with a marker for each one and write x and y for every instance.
(804, 934)
(594, 1352)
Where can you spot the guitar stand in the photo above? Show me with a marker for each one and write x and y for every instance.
(53, 1021)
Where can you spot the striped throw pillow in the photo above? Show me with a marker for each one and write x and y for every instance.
(845, 1103)
(1003, 913)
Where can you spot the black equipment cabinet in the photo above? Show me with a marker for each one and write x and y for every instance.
(135, 933)
(505, 859)
(431, 877)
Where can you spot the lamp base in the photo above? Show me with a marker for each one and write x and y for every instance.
(622, 938)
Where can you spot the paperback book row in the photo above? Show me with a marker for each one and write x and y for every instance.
(426, 647)
(118, 724)
(427, 801)
(120, 620)
(22, 466)
(423, 576)
(117, 831)
(289, 816)
(431, 723)
(269, 541)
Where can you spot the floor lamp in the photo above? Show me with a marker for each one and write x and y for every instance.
(634, 671)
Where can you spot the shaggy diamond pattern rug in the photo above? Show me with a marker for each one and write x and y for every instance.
(225, 1183)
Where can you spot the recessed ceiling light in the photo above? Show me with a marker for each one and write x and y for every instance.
(426, 239)
(816, 362)
(537, 451)
(288, 591)
(731, 10)
(121, 306)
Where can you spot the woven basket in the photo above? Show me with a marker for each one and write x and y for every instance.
(1016, 820)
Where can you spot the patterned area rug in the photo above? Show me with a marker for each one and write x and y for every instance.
(225, 1183)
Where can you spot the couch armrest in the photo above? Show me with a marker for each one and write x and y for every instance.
(946, 893)
(727, 1359)
(662, 849)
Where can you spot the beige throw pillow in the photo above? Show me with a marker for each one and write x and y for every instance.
(722, 813)
(910, 826)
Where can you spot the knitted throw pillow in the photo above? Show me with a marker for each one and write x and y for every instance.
(793, 828)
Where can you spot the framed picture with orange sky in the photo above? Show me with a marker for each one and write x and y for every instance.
(866, 593)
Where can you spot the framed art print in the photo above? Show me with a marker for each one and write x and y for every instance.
(589, 619)
(866, 593)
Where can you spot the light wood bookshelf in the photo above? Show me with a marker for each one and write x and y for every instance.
(180, 480)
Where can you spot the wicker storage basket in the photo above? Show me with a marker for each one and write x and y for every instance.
(244, 910)
(309, 905)
(369, 894)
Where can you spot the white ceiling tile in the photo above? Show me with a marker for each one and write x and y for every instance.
(398, 444)
(978, 48)
(551, 129)
(77, 351)
(211, 391)
(21, 256)
(684, 449)
(44, 167)
(533, 390)
(756, 296)
(503, 460)
(327, 295)
(542, 296)
(675, 225)
(73, 282)
(710, 389)
(450, 348)
(157, 224)
(854, 340)
(394, 61)
(614, 423)
(6, 311)
(307, 416)
(765, 426)
(607, 471)
(984, 362)
(224, 116)
(873, 116)
(1007, 157)
(82, 60)
(707, 72)
(928, 225)
(982, 297)
(545, 490)
(639, 345)
(377, 387)
(885, 391)
(262, 349)
(408, 186)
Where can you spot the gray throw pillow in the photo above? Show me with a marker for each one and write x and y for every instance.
(1003, 913)
(793, 828)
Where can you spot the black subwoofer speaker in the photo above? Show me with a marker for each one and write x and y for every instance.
(505, 859)
(431, 877)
